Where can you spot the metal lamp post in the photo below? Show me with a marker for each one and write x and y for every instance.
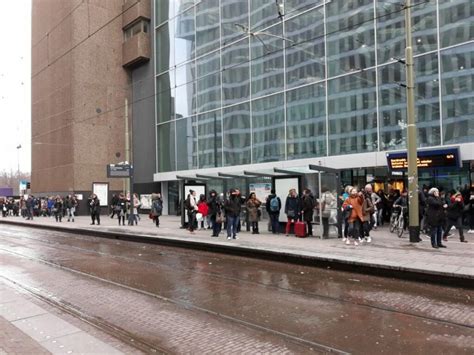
(414, 226)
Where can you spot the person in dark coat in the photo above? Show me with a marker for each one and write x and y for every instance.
(58, 209)
(113, 204)
(215, 212)
(307, 207)
(435, 217)
(121, 209)
(273, 207)
(156, 208)
(292, 209)
(233, 207)
(454, 217)
(94, 206)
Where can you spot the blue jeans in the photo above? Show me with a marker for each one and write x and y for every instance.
(436, 233)
(232, 222)
(275, 223)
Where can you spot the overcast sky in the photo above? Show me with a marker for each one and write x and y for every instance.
(15, 84)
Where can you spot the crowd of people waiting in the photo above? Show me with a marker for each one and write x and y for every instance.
(360, 212)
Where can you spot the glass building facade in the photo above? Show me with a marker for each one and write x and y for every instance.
(236, 84)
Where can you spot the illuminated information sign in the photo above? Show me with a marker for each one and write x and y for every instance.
(428, 159)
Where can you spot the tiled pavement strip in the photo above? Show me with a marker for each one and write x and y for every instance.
(386, 250)
(27, 328)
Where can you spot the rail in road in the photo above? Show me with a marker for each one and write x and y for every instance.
(168, 299)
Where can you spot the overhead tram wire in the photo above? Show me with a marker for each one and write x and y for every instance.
(131, 103)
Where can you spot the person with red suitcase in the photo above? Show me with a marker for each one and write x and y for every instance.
(292, 210)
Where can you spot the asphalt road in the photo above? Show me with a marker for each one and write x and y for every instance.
(171, 300)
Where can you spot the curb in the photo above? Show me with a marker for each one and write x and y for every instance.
(388, 271)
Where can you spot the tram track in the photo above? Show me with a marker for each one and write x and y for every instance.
(66, 248)
(122, 334)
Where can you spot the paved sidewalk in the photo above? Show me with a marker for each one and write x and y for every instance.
(386, 252)
(26, 328)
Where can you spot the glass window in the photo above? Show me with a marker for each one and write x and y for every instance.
(292, 7)
(209, 92)
(352, 114)
(207, 26)
(457, 79)
(164, 47)
(392, 111)
(351, 36)
(186, 149)
(209, 84)
(263, 13)
(235, 72)
(305, 50)
(166, 147)
(164, 10)
(185, 99)
(236, 135)
(208, 64)
(233, 12)
(267, 61)
(268, 129)
(456, 21)
(392, 101)
(184, 40)
(165, 94)
(210, 139)
(306, 122)
(391, 30)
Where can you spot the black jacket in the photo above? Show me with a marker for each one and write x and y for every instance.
(307, 206)
(214, 206)
(455, 210)
(293, 204)
(435, 215)
(233, 206)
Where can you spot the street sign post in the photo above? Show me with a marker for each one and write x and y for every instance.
(119, 170)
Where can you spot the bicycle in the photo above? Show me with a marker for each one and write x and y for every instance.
(397, 221)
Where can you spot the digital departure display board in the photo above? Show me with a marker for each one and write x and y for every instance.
(427, 159)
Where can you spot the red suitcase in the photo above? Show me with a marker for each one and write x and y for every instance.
(300, 229)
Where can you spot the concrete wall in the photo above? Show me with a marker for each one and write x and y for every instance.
(76, 72)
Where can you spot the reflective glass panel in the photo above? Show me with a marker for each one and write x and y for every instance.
(457, 79)
(391, 29)
(234, 12)
(456, 21)
(292, 7)
(305, 48)
(164, 10)
(164, 47)
(392, 101)
(350, 39)
(165, 134)
(210, 139)
(183, 5)
(186, 147)
(165, 95)
(207, 26)
(267, 61)
(268, 125)
(185, 39)
(185, 100)
(306, 122)
(235, 72)
(352, 114)
(236, 135)
(263, 13)
(209, 92)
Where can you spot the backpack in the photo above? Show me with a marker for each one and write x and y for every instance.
(274, 204)
(187, 203)
(157, 207)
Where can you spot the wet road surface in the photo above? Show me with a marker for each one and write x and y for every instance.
(173, 300)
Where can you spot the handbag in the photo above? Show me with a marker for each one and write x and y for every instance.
(199, 217)
(291, 214)
(220, 219)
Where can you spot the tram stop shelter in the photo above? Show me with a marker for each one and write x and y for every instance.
(324, 183)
